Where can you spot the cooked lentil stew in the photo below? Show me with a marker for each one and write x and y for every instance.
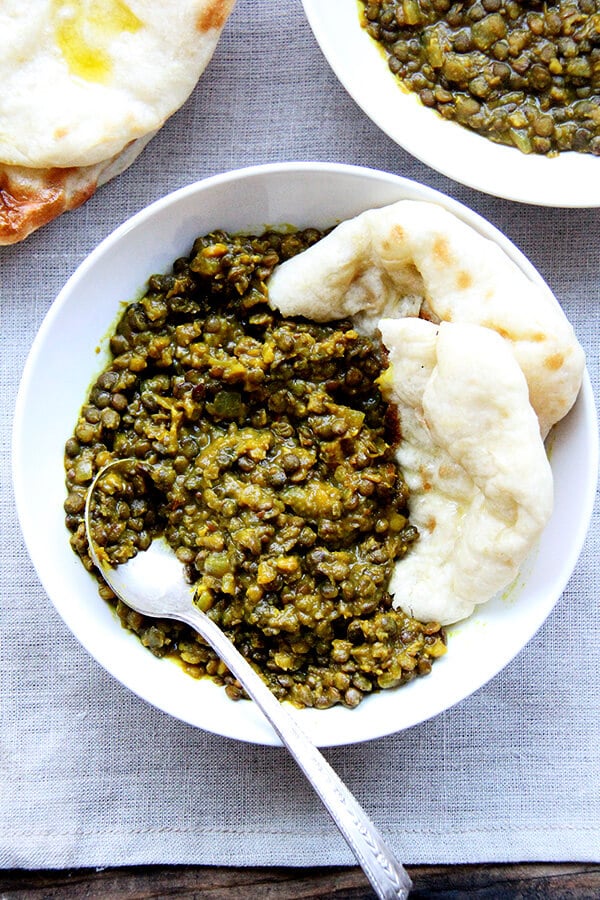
(270, 453)
(526, 74)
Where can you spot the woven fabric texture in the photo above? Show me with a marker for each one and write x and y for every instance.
(92, 776)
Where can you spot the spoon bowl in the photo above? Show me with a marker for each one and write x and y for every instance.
(152, 583)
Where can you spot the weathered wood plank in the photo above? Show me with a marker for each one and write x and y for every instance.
(483, 882)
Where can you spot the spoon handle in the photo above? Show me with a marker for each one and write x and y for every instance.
(387, 876)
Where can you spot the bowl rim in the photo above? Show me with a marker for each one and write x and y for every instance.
(569, 180)
(585, 405)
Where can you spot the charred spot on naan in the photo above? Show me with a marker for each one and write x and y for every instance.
(441, 252)
(554, 361)
(464, 280)
(27, 202)
(214, 15)
(396, 237)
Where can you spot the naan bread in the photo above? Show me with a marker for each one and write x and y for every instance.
(84, 84)
(473, 458)
(81, 79)
(30, 198)
(415, 258)
(482, 363)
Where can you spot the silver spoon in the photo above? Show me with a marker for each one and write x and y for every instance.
(153, 584)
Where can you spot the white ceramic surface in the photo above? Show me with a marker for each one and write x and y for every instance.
(568, 180)
(64, 359)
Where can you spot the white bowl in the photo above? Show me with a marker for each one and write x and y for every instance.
(64, 361)
(568, 180)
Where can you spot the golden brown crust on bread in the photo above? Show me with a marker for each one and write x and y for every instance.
(214, 14)
(29, 198)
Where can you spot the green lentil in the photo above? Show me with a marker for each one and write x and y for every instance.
(272, 475)
(522, 74)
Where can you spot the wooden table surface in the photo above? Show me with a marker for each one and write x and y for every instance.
(492, 882)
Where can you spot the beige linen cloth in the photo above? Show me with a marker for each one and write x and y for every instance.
(92, 776)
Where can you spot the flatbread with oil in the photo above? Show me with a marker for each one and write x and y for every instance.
(84, 84)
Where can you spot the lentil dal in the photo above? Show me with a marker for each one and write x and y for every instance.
(526, 74)
(271, 453)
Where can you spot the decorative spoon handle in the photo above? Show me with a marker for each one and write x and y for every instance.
(152, 583)
(387, 876)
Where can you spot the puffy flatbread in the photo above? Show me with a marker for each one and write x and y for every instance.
(473, 458)
(482, 363)
(30, 198)
(84, 84)
(81, 79)
(416, 258)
